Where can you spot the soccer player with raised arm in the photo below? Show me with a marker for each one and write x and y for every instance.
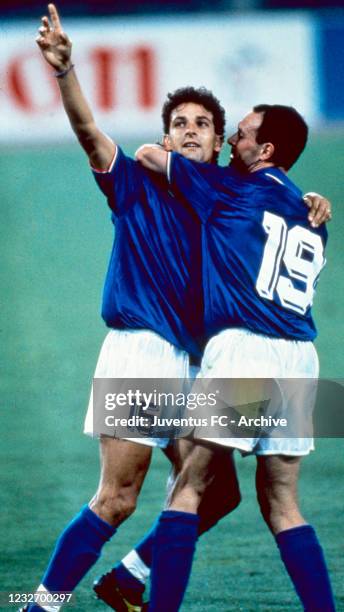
(261, 262)
(152, 304)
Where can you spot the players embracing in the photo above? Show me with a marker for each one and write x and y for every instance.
(153, 336)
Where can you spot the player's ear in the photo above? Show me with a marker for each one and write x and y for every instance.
(267, 151)
(218, 143)
(166, 141)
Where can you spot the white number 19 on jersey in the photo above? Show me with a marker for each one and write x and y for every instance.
(302, 253)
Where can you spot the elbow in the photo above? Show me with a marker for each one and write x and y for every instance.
(152, 157)
(142, 154)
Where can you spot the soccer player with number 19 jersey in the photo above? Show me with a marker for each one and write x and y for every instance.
(152, 284)
(261, 259)
(261, 262)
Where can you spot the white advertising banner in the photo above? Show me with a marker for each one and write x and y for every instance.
(127, 65)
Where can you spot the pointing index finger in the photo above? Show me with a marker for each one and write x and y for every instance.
(54, 16)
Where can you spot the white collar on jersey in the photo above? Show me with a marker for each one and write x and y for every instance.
(274, 178)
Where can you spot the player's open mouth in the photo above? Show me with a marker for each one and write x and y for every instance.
(191, 145)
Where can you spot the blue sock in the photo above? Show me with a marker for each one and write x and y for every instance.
(173, 552)
(77, 549)
(126, 578)
(303, 557)
(144, 548)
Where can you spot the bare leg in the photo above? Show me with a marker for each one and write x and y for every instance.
(276, 484)
(301, 553)
(199, 474)
(124, 465)
(178, 527)
(221, 495)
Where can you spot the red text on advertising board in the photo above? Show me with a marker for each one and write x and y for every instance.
(27, 74)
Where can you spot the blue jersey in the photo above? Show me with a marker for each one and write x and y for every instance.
(154, 275)
(261, 258)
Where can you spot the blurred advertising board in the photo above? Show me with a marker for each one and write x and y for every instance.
(331, 67)
(127, 65)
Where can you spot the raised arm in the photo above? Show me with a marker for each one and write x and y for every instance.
(56, 49)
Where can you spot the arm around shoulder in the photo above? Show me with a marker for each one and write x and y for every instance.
(153, 157)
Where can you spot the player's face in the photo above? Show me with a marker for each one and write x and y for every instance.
(246, 152)
(192, 133)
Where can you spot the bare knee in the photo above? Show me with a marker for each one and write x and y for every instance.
(124, 465)
(114, 505)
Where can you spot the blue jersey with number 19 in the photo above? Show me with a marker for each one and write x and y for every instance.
(261, 258)
(155, 260)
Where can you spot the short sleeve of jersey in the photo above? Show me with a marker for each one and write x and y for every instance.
(190, 181)
(121, 183)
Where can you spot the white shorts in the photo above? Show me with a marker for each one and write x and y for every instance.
(137, 354)
(239, 353)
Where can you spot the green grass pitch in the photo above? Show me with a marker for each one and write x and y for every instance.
(56, 237)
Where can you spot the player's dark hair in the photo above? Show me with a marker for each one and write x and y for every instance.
(200, 96)
(284, 127)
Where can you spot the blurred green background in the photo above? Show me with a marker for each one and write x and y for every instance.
(56, 238)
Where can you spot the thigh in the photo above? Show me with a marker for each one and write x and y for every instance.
(123, 463)
(184, 453)
(183, 447)
(123, 468)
